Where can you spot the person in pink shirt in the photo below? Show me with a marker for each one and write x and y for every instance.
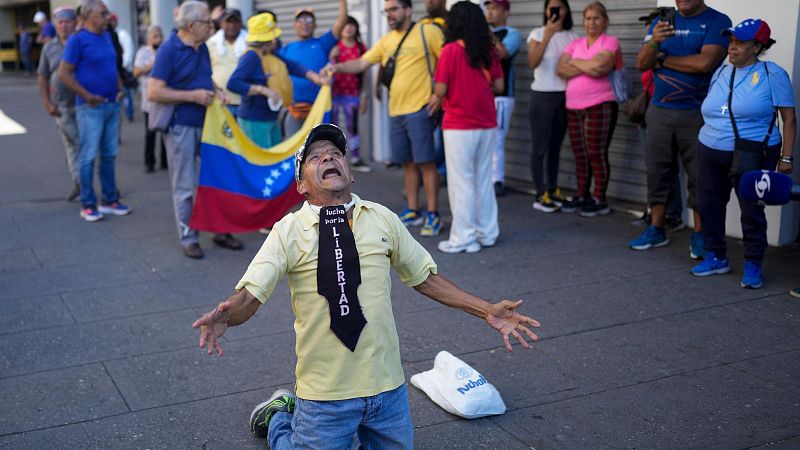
(349, 96)
(591, 108)
(467, 76)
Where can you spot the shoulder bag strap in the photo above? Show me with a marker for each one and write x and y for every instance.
(427, 53)
(397, 50)
(730, 100)
(775, 113)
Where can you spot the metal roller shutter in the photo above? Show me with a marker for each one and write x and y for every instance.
(626, 152)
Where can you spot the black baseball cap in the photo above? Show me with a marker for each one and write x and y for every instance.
(228, 13)
(321, 132)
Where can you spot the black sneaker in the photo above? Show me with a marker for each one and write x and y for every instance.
(360, 166)
(557, 198)
(544, 203)
(574, 204)
(674, 224)
(281, 400)
(594, 209)
(642, 221)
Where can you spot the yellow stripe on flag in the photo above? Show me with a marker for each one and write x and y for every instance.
(221, 129)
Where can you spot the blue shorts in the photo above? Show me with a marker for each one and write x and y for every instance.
(412, 138)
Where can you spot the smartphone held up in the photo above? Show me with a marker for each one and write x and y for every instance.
(555, 13)
(667, 15)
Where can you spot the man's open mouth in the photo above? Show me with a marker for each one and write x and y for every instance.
(332, 172)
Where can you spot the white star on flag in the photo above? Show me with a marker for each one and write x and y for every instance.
(285, 166)
(269, 181)
(274, 173)
(267, 192)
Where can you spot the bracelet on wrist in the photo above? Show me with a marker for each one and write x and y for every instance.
(653, 44)
(787, 159)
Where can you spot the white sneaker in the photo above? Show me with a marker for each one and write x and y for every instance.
(447, 247)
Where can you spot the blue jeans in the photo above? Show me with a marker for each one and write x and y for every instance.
(98, 130)
(382, 421)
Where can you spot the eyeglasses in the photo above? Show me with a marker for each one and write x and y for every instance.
(206, 22)
(391, 10)
(305, 19)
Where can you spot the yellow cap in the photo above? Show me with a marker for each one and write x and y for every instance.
(262, 28)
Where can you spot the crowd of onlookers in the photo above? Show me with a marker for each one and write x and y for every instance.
(449, 83)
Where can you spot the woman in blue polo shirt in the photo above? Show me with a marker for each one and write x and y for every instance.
(743, 100)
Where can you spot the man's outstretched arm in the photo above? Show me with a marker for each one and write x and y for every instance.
(236, 310)
(502, 316)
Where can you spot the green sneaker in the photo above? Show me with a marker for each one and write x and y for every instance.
(281, 400)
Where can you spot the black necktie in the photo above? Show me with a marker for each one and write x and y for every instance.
(339, 274)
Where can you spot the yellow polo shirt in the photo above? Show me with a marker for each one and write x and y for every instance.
(326, 369)
(411, 85)
(222, 67)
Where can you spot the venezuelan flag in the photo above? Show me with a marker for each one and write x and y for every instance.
(242, 186)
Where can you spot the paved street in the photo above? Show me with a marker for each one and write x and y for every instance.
(634, 352)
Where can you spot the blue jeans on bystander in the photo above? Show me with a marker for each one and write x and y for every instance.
(99, 134)
(381, 421)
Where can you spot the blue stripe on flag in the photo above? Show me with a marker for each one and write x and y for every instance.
(227, 171)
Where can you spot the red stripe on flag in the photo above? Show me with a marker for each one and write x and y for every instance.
(221, 211)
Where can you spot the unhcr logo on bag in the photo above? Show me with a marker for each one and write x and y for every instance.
(472, 385)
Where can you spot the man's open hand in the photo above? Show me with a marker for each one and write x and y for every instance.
(503, 317)
(212, 326)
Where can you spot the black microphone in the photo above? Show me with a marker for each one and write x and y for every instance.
(768, 187)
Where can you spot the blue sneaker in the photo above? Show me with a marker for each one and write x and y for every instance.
(433, 224)
(90, 214)
(711, 265)
(697, 245)
(115, 209)
(650, 238)
(411, 218)
(752, 278)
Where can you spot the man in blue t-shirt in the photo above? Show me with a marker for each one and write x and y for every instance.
(683, 56)
(181, 76)
(313, 54)
(506, 43)
(89, 69)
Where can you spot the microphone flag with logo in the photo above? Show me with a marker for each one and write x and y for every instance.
(771, 188)
(339, 275)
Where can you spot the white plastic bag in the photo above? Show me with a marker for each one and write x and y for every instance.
(459, 389)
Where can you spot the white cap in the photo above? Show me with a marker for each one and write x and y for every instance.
(39, 17)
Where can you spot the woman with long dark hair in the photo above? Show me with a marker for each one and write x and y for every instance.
(349, 95)
(548, 110)
(467, 76)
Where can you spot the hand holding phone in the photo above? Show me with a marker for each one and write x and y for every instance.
(555, 13)
(667, 14)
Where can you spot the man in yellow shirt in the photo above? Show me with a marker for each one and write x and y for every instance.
(413, 51)
(337, 251)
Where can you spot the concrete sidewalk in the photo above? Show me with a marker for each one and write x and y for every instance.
(634, 351)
